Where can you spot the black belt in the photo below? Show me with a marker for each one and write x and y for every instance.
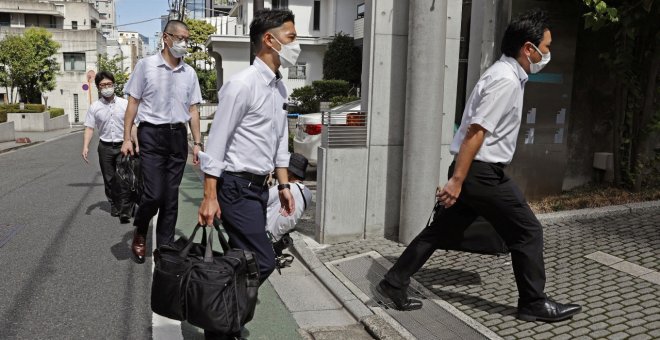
(171, 126)
(260, 180)
(113, 144)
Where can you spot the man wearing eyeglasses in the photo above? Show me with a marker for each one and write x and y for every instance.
(107, 116)
(163, 92)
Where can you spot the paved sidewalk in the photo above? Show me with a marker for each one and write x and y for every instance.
(606, 259)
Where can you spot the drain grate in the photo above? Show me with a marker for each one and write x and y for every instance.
(7, 232)
(429, 322)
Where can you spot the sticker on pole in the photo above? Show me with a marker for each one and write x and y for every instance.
(85, 87)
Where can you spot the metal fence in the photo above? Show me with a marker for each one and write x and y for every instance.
(343, 129)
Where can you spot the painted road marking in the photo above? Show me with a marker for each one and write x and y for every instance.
(622, 265)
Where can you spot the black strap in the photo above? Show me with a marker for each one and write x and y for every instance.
(302, 194)
(436, 207)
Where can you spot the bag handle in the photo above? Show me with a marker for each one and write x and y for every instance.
(221, 236)
(186, 249)
(208, 251)
(436, 207)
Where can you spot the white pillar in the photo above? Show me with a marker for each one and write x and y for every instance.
(384, 89)
(434, 28)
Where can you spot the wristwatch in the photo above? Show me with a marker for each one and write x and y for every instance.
(281, 187)
(200, 144)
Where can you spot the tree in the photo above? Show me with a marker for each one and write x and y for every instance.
(114, 66)
(343, 60)
(28, 64)
(634, 64)
(200, 31)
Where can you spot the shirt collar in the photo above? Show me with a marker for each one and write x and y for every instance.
(520, 72)
(161, 61)
(266, 73)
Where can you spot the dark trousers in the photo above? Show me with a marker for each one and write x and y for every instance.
(243, 206)
(486, 192)
(108, 162)
(163, 153)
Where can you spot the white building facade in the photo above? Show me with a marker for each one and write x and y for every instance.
(134, 46)
(75, 26)
(317, 22)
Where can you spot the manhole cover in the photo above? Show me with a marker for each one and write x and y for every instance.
(430, 322)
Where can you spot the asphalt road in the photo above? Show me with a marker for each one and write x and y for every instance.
(66, 273)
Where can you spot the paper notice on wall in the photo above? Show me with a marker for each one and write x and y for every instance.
(531, 116)
(561, 116)
(559, 136)
(529, 136)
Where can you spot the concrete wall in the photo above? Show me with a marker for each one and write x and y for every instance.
(7, 132)
(37, 121)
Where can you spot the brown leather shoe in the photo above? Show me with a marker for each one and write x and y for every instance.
(138, 247)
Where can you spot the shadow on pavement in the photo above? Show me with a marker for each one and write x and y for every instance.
(451, 277)
(85, 184)
(475, 302)
(102, 205)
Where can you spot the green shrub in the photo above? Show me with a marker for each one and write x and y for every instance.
(3, 117)
(305, 99)
(327, 89)
(56, 112)
(15, 108)
(336, 101)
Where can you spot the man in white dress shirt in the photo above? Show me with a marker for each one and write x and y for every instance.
(249, 139)
(107, 116)
(163, 93)
(477, 186)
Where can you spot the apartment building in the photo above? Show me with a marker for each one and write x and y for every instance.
(317, 22)
(75, 26)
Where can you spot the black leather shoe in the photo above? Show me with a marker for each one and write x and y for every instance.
(114, 212)
(138, 247)
(398, 296)
(548, 311)
(124, 218)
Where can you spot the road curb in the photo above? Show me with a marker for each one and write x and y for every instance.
(589, 213)
(378, 327)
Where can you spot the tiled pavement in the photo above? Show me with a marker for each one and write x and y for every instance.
(616, 305)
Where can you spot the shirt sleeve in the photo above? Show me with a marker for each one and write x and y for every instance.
(233, 103)
(90, 119)
(496, 101)
(135, 84)
(196, 93)
(282, 156)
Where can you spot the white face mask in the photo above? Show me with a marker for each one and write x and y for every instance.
(288, 53)
(536, 67)
(108, 92)
(179, 49)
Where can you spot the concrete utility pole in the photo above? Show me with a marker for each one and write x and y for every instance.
(256, 6)
(425, 89)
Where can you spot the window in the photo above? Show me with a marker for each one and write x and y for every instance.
(299, 71)
(316, 25)
(360, 11)
(5, 19)
(74, 61)
(284, 4)
(74, 25)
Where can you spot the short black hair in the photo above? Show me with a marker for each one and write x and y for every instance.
(528, 26)
(175, 24)
(265, 20)
(103, 75)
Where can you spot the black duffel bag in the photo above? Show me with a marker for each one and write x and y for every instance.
(480, 237)
(209, 289)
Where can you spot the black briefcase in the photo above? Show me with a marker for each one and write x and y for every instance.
(212, 290)
(479, 237)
